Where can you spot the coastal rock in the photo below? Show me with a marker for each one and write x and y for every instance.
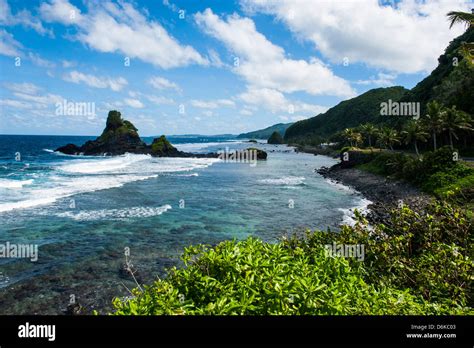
(323, 170)
(275, 138)
(69, 149)
(350, 158)
(121, 136)
(74, 309)
(161, 147)
(261, 155)
(385, 194)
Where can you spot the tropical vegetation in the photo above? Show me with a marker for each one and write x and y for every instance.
(413, 263)
(416, 264)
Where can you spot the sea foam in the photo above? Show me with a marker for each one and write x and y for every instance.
(81, 175)
(286, 181)
(12, 184)
(115, 214)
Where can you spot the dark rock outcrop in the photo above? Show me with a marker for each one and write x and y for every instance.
(275, 138)
(121, 136)
(69, 149)
(385, 194)
(261, 155)
(162, 147)
(352, 158)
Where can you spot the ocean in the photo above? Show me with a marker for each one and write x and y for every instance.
(83, 213)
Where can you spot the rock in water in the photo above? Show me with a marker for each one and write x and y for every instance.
(161, 147)
(69, 149)
(261, 155)
(275, 138)
(120, 136)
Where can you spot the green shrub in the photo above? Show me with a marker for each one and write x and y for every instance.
(345, 149)
(438, 161)
(430, 254)
(460, 191)
(418, 265)
(435, 173)
(437, 182)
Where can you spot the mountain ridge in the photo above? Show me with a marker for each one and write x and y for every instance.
(265, 133)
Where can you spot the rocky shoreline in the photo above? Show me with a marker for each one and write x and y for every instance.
(385, 194)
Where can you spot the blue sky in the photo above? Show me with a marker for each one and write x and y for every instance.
(207, 67)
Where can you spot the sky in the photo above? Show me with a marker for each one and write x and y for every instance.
(206, 66)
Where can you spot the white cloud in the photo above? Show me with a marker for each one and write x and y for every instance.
(61, 11)
(37, 60)
(120, 28)
(215, 59)
(8, 45)
(275, 101)
(30, 96)
(162, 83)
(43, 100)
(382, 79)
(112, 105)
(23, 17)
(25, 87)
(246, 112)
(265, 65)
(269, 99)
(15, 104)
(405, 39)
(134, 103)
(226, 102)
(212, 104)
(115, 84)
(29, 92)
(160, 100)
(68, 64)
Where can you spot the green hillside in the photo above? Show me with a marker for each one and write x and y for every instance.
(349, 113)
(266, 132)
(452, 82)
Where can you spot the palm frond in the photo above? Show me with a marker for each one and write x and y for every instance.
(460, 17)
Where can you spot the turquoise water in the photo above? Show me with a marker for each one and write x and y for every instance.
(83, 212)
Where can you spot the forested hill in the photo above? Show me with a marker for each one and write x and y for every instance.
(452, 82)
(349, 113)
(265, 133)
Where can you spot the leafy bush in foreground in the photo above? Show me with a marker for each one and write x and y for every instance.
(431, 254)
(421, 266)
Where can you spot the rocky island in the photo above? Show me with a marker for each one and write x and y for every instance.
(121, 136)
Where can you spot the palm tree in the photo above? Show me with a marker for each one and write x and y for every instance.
(413, 133)
(433, 119)
(357, 138)
(460, 17)
(352, 136)
(347, 135)
(369, 130)
(388, 137)
(455, 120)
